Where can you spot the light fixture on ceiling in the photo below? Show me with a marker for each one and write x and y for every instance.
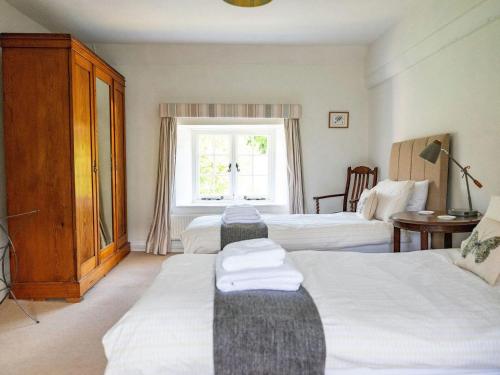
(248, 3)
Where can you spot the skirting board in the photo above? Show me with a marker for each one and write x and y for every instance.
(141, 246)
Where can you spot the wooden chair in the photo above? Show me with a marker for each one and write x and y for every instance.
(360, 181)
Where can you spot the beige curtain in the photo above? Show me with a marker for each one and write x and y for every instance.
(294, 158)
(158, 241)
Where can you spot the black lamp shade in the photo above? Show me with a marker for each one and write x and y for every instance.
(431, 152)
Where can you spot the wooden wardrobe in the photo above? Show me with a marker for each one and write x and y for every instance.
(64, 136)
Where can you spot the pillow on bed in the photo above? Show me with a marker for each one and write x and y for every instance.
(367, 204)
(392, 197)
(481, 251)
(418, 198)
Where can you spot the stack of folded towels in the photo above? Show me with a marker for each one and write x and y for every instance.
(258, 264)
(241, 214)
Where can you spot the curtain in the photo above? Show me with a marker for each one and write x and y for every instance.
(158, 241)
(294, 159)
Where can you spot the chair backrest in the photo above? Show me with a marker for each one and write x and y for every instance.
(358, 179)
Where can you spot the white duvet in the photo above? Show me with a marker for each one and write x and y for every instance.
(296, 232)
(403, 313)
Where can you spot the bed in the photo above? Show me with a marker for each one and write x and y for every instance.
(379, 312)
(343, 230)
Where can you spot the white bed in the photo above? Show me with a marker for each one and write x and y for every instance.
(408, 313)
(343, 230)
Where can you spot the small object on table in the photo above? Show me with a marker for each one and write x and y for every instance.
(446, 217)
(425, 212)
(426, 224)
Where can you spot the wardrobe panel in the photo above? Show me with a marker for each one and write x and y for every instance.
(104, 136)
(84, 166)
(38, 161)
(121, 196)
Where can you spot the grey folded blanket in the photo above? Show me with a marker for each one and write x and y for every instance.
(239, 232)
(267, 332)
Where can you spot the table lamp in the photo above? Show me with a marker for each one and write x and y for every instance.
(431, 153)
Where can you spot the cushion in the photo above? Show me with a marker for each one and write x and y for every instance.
(367, 204)
(493, 211)
(418, 198)
(392, 197)
(481, 251)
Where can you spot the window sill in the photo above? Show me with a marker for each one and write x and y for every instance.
(217, 207)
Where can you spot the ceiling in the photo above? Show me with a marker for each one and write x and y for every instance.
(214, 21)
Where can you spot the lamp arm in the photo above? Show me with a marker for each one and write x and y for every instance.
(464, 170)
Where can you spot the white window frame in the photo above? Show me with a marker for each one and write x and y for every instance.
(234, 131)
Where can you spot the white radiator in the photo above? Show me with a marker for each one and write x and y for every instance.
(178, 224)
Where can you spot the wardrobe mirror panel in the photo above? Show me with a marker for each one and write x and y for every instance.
(105, 163)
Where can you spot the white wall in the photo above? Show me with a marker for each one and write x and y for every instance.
(439, 71)
(320, 78)
(12, 21)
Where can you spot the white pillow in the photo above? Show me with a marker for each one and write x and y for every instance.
(493, 211)
(367, 204)
(418, 198)
(392, 197)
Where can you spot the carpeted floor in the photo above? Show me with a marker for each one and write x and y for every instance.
(68, 339)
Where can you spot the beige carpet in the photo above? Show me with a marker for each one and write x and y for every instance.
(68, 338)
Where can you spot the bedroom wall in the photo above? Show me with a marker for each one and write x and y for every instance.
(439, 71)
(11, 20)
(321, 78)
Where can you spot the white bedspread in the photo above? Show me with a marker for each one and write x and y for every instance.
(406, 312)
(295, 232)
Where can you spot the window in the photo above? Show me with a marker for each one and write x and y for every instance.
(231, 162)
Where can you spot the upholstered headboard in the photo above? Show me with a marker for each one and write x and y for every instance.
(405, 164)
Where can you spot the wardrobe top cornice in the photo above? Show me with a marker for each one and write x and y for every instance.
(41, 40)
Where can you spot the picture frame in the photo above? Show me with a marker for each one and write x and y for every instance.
(338, 120)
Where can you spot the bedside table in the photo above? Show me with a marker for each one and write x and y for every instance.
(426, 224)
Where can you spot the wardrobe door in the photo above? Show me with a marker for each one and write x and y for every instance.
(120, 187)
(83, 163)
(105, 163)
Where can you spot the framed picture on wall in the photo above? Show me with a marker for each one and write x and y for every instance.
(338, 120)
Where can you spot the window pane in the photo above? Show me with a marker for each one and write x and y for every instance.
(260, 165)
(206, 144)
(214, 152)
(258, 143)
(260, 186)
(206, 164)
(221, 185)
(245, 164)
(221, 164)
(221, 144)
(244, 145)
(205, 185)
(245, 186)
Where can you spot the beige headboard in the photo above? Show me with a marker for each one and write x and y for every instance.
(405, 164)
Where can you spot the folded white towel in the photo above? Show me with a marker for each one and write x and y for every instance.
(240, 209)
(285, 277)
(241, 219)
(241, 213)
(256, 253)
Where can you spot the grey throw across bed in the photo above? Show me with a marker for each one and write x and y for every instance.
(267, 332)
(230, 233)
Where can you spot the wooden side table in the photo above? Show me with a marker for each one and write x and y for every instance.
(426, 224)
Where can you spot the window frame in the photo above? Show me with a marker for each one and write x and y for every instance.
(265, 129)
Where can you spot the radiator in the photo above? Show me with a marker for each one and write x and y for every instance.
(178, 224)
